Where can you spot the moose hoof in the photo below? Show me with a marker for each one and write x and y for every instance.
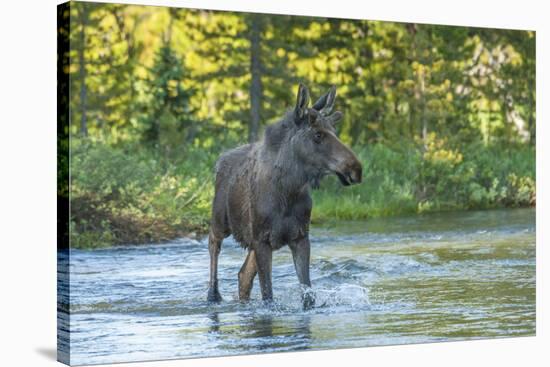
(268, 303)
(308, 301)
(214, 295)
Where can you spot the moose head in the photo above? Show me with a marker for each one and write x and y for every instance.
(315, 142)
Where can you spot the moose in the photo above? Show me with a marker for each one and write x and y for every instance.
(262, 193)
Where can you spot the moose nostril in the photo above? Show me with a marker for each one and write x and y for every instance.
(356, 174)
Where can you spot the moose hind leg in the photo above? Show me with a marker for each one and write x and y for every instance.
(214, 246)
(246, 276)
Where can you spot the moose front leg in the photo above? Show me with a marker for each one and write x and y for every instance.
(300, 255)
(263, 265)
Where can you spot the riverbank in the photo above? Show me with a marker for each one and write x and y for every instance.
(134, 195)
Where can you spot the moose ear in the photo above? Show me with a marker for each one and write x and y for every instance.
(325, 104)
(335, 117)
(302, 101)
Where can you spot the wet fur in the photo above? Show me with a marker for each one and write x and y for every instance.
(262, 192)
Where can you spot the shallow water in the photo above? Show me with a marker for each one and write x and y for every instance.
(439, 277)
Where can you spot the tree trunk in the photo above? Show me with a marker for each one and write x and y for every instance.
(531, 119)
(128, 35)
(256, 96)
(413, 103)
(167, 36)
(423, 109)
(412, 118)
(82, 70)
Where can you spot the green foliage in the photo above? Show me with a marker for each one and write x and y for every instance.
(135, 195)
(442, 117)
(169, 113)
(405, 180)
(152, 66)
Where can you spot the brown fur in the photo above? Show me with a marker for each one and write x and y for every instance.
(263, 196)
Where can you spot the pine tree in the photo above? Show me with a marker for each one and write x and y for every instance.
(169, 100)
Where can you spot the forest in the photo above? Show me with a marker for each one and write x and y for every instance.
(442, 117)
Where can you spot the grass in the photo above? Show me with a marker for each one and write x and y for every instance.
(129, 194)
(407, 180)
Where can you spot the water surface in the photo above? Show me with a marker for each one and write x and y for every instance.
(438, 277)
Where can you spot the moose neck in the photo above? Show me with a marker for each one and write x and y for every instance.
(287, 173)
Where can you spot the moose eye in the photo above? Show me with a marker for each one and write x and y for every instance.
(318, 137)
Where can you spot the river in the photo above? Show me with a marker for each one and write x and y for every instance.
(438, 277)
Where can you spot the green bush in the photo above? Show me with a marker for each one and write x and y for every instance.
(409, 179)
(138, 195)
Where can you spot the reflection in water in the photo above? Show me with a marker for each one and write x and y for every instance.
(297, 331)
(215, 322)
(261, 327)
(251, 330)
(403, 280)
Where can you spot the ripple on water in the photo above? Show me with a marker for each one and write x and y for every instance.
(420, 279)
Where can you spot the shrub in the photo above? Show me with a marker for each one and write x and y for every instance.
(135, 195)
(138, 195)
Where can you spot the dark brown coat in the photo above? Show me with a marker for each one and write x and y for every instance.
(263, 196)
